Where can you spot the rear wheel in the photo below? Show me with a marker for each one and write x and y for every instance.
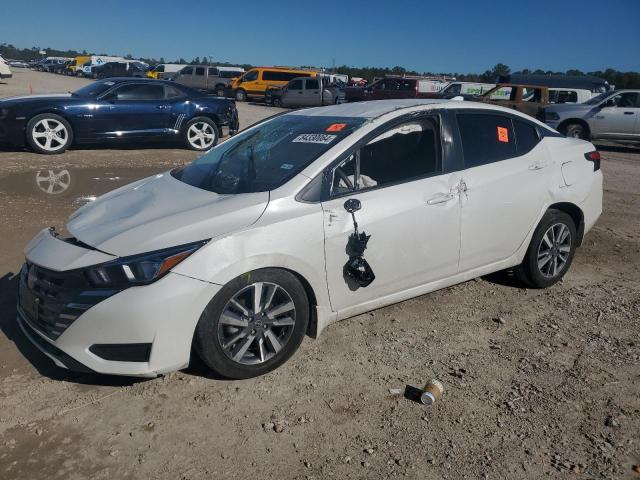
(241, 95)
(276, 102)
(49, 133)
(201, 133)
(550, 252)
(577, 130)
(254, 324)
(220, 91)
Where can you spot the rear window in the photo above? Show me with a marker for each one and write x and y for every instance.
(486, 138)
(268, 155)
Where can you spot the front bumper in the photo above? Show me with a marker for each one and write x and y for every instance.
(161, 317)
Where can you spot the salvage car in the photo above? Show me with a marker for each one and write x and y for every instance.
(301, 220)
(120, 110)
(611, 115)
(305, 92)
(529, 99)
(390, 88)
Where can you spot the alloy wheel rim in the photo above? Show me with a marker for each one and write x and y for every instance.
(554, 250)
(256, 323)
(53, 183)
(201, 135)
(49, 134)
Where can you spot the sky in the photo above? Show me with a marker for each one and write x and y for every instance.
(454, 36)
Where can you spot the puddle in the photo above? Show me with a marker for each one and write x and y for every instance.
(71, 186)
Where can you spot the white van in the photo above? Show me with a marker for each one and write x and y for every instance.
(5, 71)
(467, 88)
(96, 60)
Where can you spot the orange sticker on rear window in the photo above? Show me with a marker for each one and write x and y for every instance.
(336, 127)
(503, 135)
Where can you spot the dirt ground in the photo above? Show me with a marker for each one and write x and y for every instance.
(538, 384)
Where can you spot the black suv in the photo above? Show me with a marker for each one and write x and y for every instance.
(119, 69)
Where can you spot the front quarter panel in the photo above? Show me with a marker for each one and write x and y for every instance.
(289, 235)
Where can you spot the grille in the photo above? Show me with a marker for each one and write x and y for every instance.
(51, 301)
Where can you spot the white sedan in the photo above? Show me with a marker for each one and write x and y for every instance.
(302, 220)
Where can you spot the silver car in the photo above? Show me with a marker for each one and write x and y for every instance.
(611, 115)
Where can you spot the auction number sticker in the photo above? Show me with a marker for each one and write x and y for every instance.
(503, 135)
(314, 138)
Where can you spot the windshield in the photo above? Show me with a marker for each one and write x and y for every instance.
(94, 89)
(268, 155)
(598, 99)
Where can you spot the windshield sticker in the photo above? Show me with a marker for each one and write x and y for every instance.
(336, 127)
(286, 166)
(314, 138)
(503, 135)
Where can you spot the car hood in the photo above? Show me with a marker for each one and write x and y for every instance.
(160, 212)
(564, 108)
(45, 97)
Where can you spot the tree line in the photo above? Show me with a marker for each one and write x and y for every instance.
(614, 77)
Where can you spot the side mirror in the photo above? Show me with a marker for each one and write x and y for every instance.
(352, 205)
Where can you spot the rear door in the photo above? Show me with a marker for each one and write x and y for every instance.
(618, 116)
(311, 92)
(408, 209)
(507, 172)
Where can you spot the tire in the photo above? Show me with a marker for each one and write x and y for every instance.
(222, 324)
(49, 134)
(201, 134)
(276, 102)
(577, 130)
(549, 244)
(241, 95)
(220, 91)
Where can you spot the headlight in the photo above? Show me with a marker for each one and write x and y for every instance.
(139, 269)
(551, 116)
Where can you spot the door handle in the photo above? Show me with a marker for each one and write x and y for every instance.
(440, 198)
(629, 113)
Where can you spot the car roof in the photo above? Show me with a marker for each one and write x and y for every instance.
(377, 108)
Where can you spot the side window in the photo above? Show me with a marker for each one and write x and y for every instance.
(295, 85)
(526, 136)
(563, 96)
(140, 92)
(172, 92)
(485, 138)
(502, 93)
(160, 69)
(213, 71)
(186, 71)
(313, 84)
(251, 76)
(407, 151)
(200, 71)
(624, 100)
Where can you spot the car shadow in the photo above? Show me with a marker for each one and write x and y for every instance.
(43, 364)
(506, 278)
(618, 148)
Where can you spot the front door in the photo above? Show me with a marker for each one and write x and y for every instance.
(618, 116)
(311, 92)
(507, 174)
(294, 93)
(409, 208)
(133, 110)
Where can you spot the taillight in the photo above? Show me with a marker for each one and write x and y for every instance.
(595, 158)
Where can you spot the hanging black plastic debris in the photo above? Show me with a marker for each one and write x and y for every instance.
(357, 268)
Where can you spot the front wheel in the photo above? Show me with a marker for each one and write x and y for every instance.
(220, 91)
(49, 133)
(550, 252)
(577, 130)
(254, 324)
(201, 133)
(276, 102)
(241, 95)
